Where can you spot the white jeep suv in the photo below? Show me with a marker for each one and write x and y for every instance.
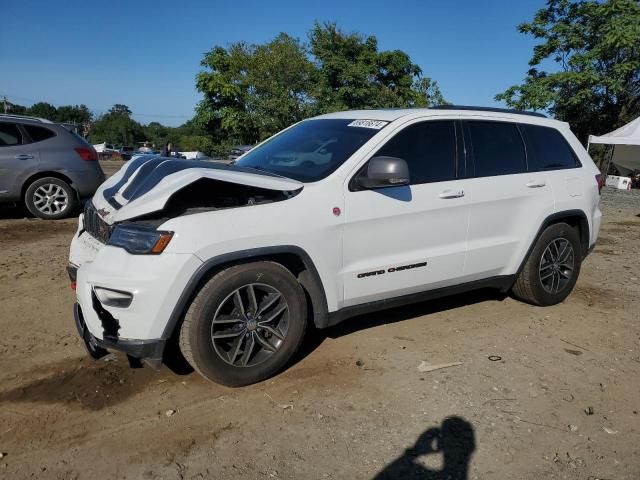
(337, 215)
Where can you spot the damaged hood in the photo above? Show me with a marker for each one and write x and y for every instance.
(146, 183)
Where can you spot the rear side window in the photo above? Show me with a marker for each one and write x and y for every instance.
(547, 149)
(38, 134)
(429, 148)
(9, 135)
(497, 148)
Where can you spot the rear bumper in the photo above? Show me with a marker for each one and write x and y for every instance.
(86, 181)
(148, 350)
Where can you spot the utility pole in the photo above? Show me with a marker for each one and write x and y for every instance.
(5, 104)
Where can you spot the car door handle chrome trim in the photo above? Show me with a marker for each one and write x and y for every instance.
(452, 194)
(536, 184)
(24, 156)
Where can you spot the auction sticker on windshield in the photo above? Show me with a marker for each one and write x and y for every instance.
(375, 124)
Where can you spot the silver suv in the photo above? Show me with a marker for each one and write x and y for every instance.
(46, 166)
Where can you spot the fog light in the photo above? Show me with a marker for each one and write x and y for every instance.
(113, 298)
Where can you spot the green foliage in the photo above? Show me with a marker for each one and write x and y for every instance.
(252, 91)
(159, 135)
(67, 113)
(13, 109)
(117, 126)
(200, 143)
(74, 114)
(596, 86)
(43, 110)
(353, 74)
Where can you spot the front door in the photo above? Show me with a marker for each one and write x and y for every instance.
(407, 239)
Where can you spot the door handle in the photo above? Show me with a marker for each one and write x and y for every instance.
(24, 156)
(536, 184)
(452, 194)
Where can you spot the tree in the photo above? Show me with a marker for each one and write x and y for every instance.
(117, 126)
(196, 143)
(13, 108)
(596, 86)
(159, 135)
(354, 74)
(252, 91)
(42, 110)
(74, 114)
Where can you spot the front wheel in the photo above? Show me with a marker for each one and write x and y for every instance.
(245, 324)
(50, 198)
(553, 266)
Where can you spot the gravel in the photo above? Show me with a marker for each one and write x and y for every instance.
(615, 200)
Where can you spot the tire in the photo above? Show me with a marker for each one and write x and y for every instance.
(550, 272)
(215, 312)
(50, 198)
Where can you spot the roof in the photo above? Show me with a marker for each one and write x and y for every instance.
(628, 134)
(392, 114)
(7, 116)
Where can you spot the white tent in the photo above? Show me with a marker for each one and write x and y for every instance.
(625, 154)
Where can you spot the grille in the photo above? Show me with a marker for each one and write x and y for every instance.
(93, 224)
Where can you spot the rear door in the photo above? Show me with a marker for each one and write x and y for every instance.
(406, 239)
(509, 203)
(549, 152)
(17, 160)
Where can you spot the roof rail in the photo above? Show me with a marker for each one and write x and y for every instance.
(488, 109)
(24, 117)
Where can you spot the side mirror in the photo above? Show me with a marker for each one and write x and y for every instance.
(384, 172)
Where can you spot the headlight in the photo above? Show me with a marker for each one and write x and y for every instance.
(139, 239)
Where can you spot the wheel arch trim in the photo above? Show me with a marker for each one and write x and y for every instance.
(557, 217)
(309, 278)
(45, 174)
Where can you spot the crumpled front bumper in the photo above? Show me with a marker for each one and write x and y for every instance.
(148, 350)
(155, 283)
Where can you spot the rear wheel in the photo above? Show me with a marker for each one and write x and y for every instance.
(50, 198)
(245, 324)
(552, 269)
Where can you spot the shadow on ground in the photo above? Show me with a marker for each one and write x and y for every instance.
(84, 383)
(454, 440)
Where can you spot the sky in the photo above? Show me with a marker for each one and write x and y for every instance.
(146, 53)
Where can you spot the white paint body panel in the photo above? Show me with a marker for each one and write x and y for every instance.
(484, 233)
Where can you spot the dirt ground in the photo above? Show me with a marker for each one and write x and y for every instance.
(560, 399)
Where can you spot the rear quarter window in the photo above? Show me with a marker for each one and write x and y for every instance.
(38, 134)
(547, 149)
(9, 135)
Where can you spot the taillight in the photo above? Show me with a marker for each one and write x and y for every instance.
(600, 179)
(88, 154)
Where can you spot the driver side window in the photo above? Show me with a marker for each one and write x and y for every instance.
(429, 148)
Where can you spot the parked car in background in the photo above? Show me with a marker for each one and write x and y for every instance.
(239, 150)
(104, 147)
(105, 150)
(45, 166)
(338, 215)
(126, 152)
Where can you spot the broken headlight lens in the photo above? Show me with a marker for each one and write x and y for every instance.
(139, 239)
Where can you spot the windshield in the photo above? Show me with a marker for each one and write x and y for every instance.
(311, 150)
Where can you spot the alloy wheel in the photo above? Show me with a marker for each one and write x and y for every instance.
(50, 199)
(556, 265)
(250, 325)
